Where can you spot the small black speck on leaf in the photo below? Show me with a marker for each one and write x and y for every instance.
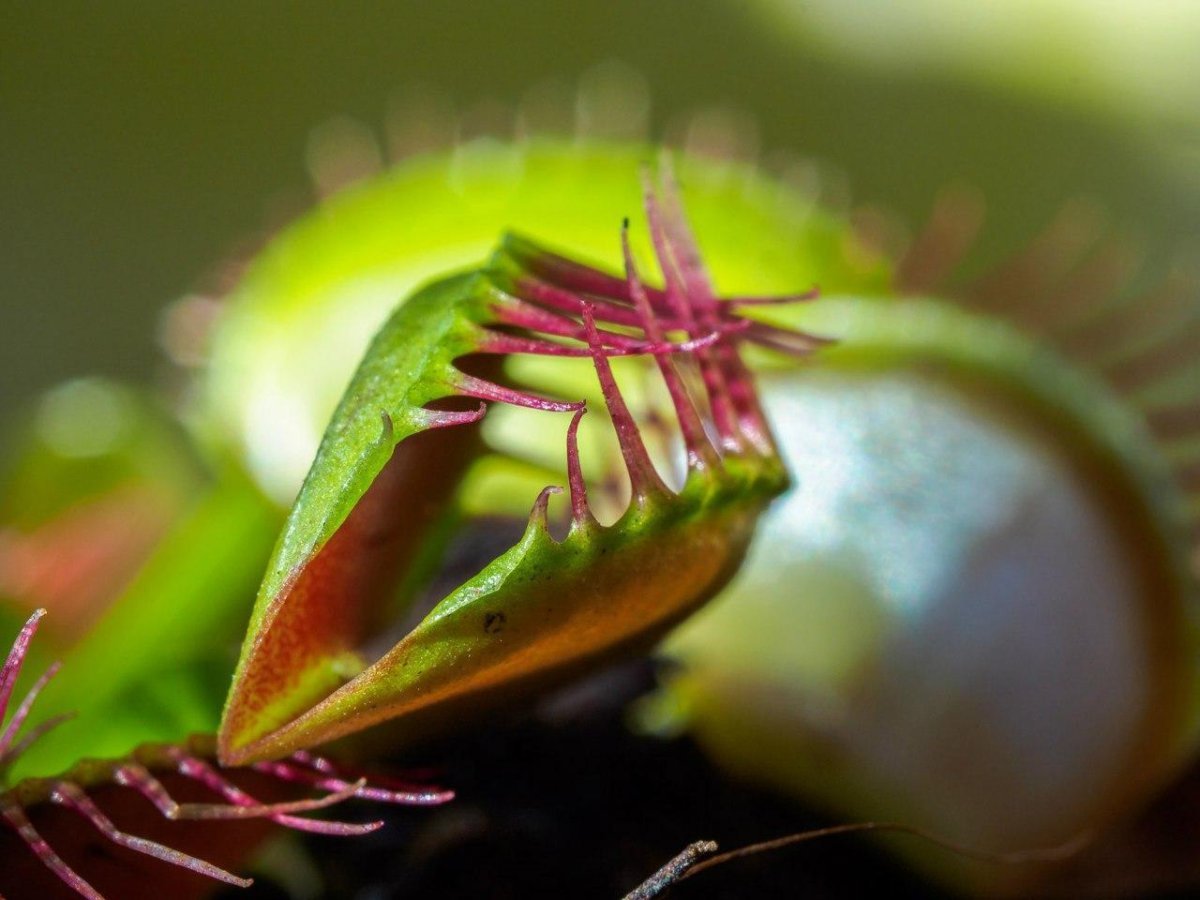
(494, 622)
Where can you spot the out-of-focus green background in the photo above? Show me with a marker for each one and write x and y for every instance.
(140, 142)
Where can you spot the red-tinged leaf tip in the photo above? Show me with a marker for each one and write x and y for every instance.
(643, 477)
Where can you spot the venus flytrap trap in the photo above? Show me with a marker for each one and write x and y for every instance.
(538, 614)
(546, 608)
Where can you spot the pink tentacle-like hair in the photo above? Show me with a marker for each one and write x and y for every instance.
(304, 769)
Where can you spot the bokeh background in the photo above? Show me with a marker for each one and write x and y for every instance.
(145, 145)
(142, 143)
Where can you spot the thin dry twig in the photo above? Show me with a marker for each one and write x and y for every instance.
(672, 872)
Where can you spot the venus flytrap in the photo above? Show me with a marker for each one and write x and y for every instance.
(547, 607)
(538, 614)
(1043, 419)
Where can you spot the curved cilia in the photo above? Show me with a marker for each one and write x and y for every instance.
(545, 608)
(145, 771)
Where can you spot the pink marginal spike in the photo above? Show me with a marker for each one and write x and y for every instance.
(537, 515)
(70, 796)
(327, 766)
(723, 412)
(445, 418)
(487, 390)
(569, 279)
(581, 513)
(285, 771)
(492, 341)
(314, 762)
(44, 852)
(562, 299)
(198, 770)
(574, 276)
(532, 316)
(682, 248)
(644, 480)
(383, 788)
(137, 777)
(681, 243)
(691, 345)
(18, 718)
(783, 300)
(793, 343)
(16, 656)
(745, 400)
(499, 342)
(700, 452)
(34, 734)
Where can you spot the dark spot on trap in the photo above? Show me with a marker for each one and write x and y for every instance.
(494, 622)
